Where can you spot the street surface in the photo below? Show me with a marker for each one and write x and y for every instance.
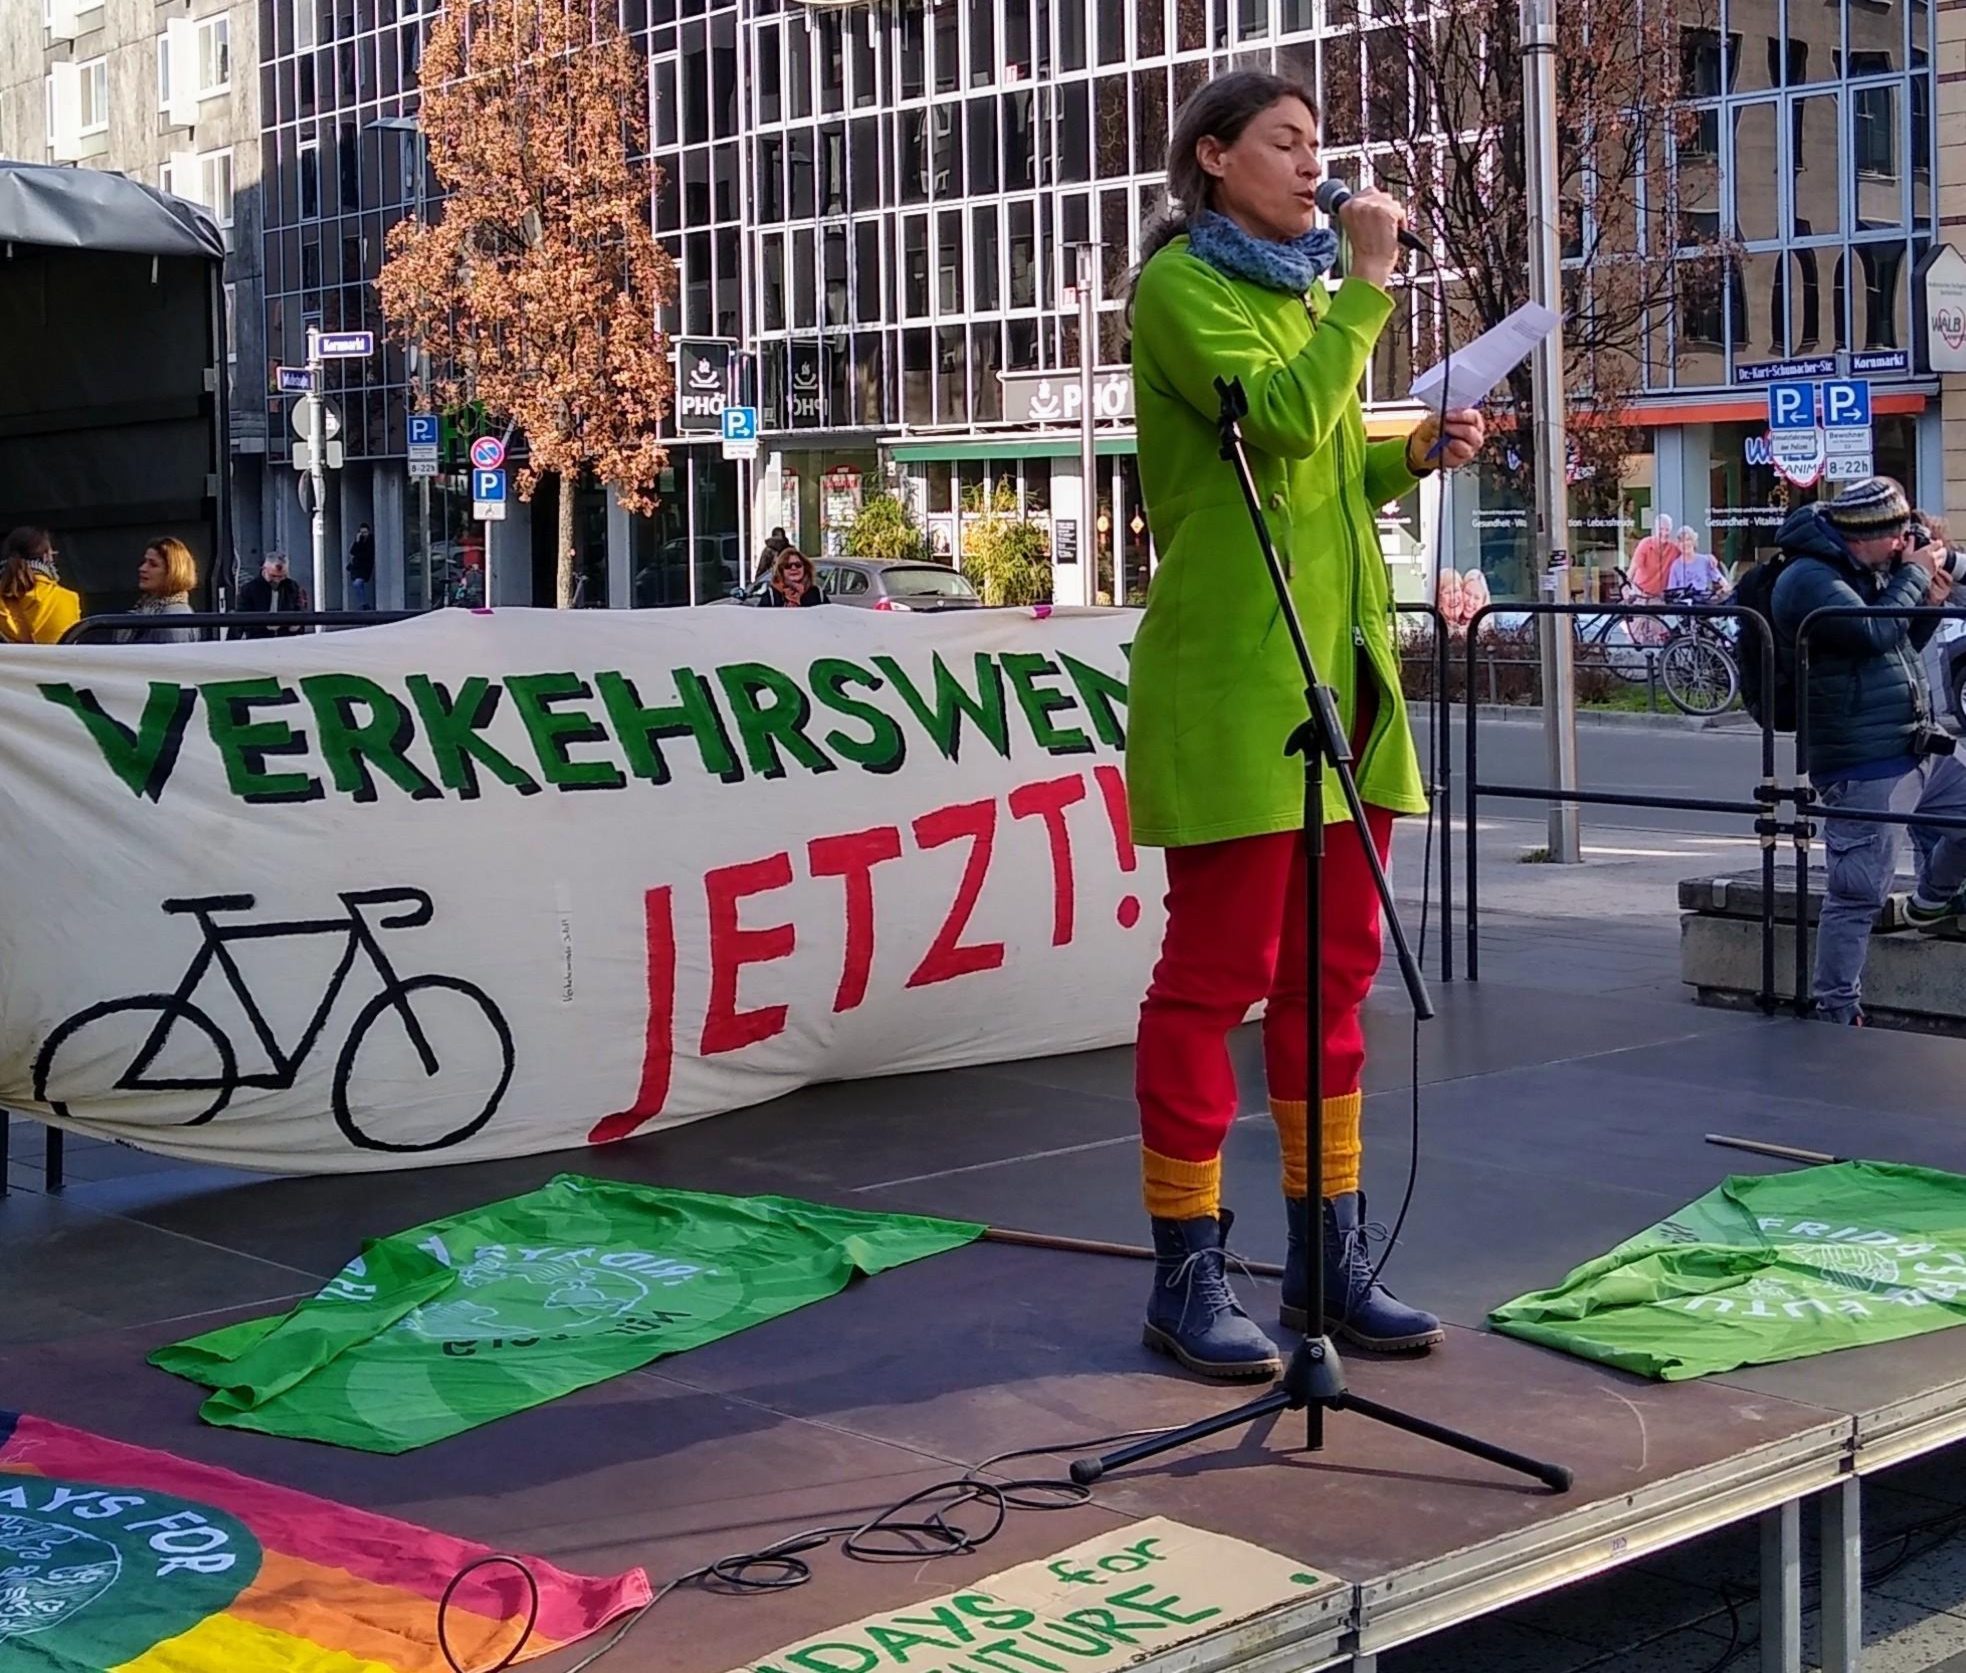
(1615, 755)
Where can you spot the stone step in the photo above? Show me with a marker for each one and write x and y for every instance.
(1738, 895)
(1911, 979)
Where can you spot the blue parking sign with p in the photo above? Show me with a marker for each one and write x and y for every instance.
(1846, 405)
(1792, 406)
(740, 423)
(488, 487)
(423, 429)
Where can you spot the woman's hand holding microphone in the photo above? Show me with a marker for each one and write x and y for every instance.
(1372, 221)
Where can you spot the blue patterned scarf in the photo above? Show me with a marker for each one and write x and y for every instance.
(1294, 265)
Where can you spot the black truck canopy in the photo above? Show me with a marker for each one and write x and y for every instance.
(112, 374)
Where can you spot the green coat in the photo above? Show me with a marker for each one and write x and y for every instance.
(1214, 689)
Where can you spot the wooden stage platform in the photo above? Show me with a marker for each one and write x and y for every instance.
(1552, 1126)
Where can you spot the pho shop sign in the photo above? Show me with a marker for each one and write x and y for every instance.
(1940, 316)
(706, 383)
(534, 878)
(1055, 397)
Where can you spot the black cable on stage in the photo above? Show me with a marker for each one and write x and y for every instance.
(891, 1536)
(1435, 744)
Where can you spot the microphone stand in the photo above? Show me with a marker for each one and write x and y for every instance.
(1314, 1380)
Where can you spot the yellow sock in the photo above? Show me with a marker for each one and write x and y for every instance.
(1344, 1148)
(1292, 1116)
(1177, 1190)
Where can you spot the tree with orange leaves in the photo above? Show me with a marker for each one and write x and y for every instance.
(536, 290)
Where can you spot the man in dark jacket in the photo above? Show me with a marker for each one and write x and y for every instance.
(1872, 743)
(361, 570)
(272, 590)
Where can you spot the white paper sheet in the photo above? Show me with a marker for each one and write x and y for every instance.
(1476, 368)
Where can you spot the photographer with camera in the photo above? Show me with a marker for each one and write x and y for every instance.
(1873, 744)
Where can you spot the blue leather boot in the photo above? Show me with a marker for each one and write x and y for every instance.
(1358, 1311)
(1193, 1316)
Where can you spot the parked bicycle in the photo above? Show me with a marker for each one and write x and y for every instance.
(1694, 656)
(1698, 662)
(166, 1043)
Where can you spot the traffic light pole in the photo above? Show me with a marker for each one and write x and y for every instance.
(317, 465)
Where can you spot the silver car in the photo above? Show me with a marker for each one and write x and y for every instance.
(882, 584)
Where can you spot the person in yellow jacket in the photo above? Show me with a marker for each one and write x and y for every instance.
(1236, 289)
(35, 608)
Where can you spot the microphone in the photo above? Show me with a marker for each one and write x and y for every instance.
(1334, 194)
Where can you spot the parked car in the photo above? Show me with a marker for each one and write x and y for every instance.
(880, 584)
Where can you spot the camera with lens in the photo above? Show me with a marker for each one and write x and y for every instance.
(1919, 535)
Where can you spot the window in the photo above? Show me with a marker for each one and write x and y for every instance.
(164, 72)
(94, 107)
(214, 55)
(1873, 122)
(306, 29)
(215, 184)
(310, 181)
(231, 325)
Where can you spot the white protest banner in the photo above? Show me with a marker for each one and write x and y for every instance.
(1127, 1596)
(494, 884)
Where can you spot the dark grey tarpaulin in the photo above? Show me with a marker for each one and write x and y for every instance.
(113, 375)
(88, 209)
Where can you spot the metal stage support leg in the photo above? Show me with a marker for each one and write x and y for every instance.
(55, 1157)
(6, 1146)
(1366, 1661)
(1781, 1588)
(1843, 1577)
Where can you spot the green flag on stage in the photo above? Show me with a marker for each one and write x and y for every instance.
(438, 1329)
(1768, 1268)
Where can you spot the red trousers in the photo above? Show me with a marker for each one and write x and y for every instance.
(1235, 935)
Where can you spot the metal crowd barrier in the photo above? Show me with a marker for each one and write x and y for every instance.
(269, 624)
(1807, 804)
(1768, 794)
(1441, 789)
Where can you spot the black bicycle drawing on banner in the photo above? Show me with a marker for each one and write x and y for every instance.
(395, 1035)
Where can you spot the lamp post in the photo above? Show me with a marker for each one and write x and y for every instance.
(1087, 282)
(1539, 49)
(410, 125)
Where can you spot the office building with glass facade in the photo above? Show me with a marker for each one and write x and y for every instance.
(874, 210)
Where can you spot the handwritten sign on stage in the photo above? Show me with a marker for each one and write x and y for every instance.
(1110, 1603)
(489, 885)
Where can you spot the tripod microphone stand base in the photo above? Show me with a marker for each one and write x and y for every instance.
(1314, 1383)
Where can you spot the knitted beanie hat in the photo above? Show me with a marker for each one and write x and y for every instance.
(1875, 506)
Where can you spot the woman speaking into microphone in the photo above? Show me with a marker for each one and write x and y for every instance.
(1232, 286)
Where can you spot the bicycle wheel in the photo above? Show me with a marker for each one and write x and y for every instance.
(111, 1049)
(1699, 676)
(422, 1043)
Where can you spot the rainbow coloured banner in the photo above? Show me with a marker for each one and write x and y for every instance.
(118, 1559)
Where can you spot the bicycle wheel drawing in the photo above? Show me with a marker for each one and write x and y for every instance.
(137, 1045)
(422, 1040)
(1699, 676)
